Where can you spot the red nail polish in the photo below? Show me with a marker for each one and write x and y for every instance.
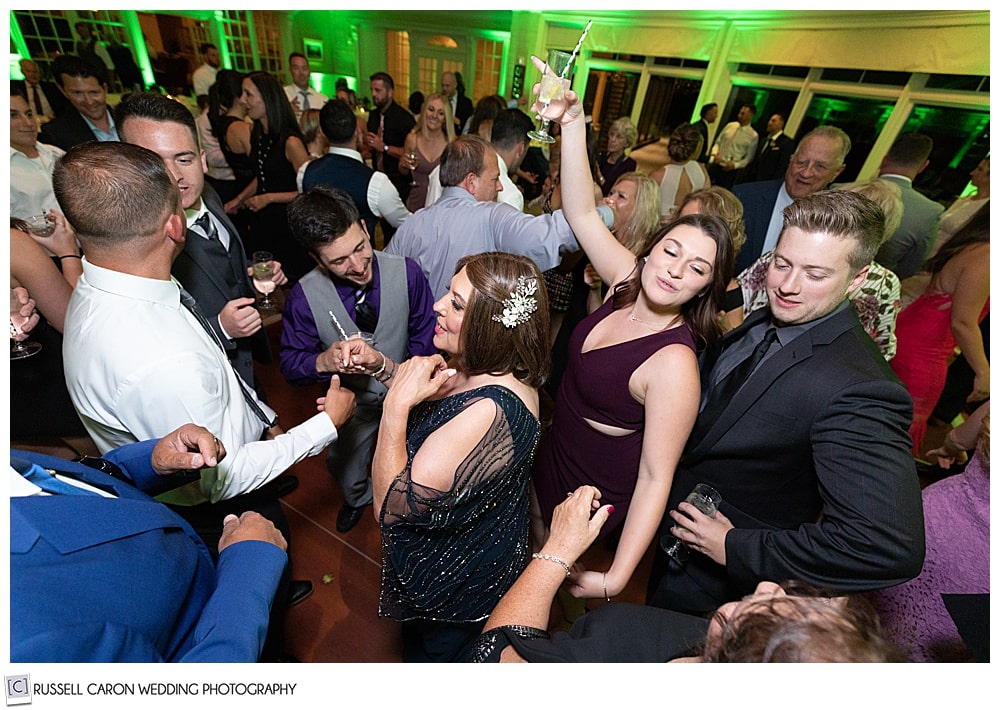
(611, 509)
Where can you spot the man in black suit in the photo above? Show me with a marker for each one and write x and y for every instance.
(44, 97)
(213, 266)
(709, 114)
(775, 153)
(388, 125)
(89, 119)
(808, 443)
(816, 162)
(461, 105)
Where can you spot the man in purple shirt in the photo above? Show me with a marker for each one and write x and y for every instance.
(352, 289)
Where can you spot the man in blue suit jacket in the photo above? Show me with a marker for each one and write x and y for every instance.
(120, 577)
(816, 162)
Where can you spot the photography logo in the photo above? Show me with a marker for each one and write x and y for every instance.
(18, 689)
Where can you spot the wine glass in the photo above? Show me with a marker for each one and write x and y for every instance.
(41, 225)
(21, 349)
(412, 157)
(553, 88)
(263, 278)
(704, 498)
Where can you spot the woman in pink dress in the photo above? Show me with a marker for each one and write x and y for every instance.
(947, 314)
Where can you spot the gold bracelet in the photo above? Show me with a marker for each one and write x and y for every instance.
(606, 597)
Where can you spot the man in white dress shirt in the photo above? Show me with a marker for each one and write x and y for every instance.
(299, 93)
(204, 76)
(139, 360)
(734, 148)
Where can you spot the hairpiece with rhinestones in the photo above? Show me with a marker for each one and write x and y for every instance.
(521, 303)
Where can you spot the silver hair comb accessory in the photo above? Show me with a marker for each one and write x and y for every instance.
(517, 309)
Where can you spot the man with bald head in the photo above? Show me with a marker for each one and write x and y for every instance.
(816, 162)
(461, 106)
(468, 219)
(43, 97)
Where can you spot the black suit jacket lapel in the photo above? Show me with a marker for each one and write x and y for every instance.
(789, 356)
(213, 203)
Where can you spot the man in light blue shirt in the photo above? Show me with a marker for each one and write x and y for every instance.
(468, 220)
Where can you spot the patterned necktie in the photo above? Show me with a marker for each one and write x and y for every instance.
(364, 314)
(724, 390)
(305, 99)
(207, 226)
(381, 131)
(44, 479)
(37, 100)
(188, 301)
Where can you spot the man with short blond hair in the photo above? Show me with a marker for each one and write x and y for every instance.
(834, 499)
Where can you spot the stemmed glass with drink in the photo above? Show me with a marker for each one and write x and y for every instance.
(22, 348)
(707, 500)
(553, 88)
(412, 158)
(263, 278)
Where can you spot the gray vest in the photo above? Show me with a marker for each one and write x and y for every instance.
(392, 335)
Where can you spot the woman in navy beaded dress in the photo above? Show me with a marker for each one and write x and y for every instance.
(454, 452)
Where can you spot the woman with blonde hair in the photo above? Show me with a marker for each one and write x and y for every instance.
(614, 162)
(423, 146)
(312, 134)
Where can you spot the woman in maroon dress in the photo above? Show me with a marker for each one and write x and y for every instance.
(632, 367)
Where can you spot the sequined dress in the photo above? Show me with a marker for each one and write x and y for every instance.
(450, 555)
(269, 228)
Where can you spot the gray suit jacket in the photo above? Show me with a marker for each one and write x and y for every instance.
(813, 463)
(905, 251)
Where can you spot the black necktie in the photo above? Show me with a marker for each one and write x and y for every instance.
(364, 314)
(38, 100)
(187, 300)
(724, 390)
(207, 226)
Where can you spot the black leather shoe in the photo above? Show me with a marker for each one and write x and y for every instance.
(298, 590)
(348, 517)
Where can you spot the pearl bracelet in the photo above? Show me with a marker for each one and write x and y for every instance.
(381, 369)
(552, 558)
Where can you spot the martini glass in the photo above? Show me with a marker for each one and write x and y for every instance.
(553, 88)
